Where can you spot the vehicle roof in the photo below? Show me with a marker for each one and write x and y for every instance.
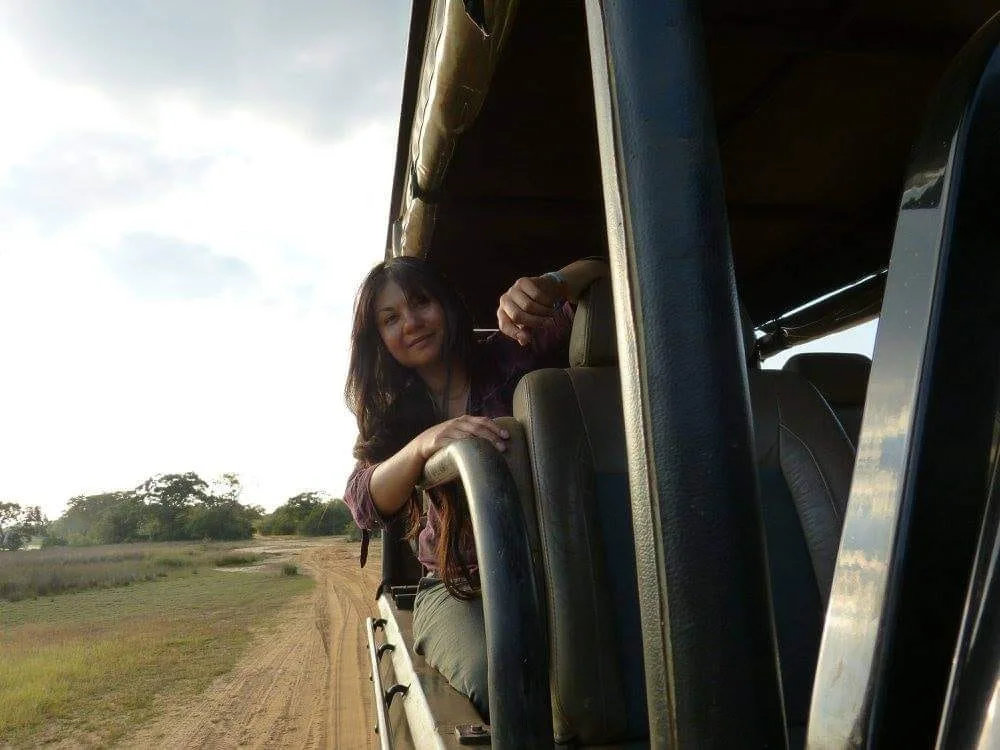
(817, 104)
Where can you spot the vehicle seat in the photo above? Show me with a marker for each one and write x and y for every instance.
(574, 430)
(842, 379)
(804, 465)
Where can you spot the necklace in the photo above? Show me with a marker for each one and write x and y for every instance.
(442, 407)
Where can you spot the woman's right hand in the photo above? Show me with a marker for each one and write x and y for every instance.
(433, 439)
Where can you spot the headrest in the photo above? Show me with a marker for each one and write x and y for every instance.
(592, 343)
(841, 378)
(750, 348)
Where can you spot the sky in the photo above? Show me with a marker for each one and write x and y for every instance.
(190, 195)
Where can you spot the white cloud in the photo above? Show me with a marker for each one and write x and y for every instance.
(106, 382)
(325, 65)
(38, 108)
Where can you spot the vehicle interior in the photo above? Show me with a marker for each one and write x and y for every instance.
(819, 110)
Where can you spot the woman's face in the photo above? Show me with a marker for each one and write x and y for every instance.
(413, 330)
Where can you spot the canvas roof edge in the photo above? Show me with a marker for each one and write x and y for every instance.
(419, 12)
(450, 62)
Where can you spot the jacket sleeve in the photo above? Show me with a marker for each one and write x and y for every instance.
(358, 497)
(552, 339)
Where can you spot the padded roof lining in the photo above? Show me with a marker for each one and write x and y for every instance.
(817, 104)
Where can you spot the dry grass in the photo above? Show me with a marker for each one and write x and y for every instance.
(90, 665)
(33, 573)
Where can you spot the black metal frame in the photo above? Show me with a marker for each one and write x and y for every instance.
(517, 644)
(920, 485)
(710, 653)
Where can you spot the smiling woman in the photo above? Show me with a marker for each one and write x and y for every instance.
(419, 381)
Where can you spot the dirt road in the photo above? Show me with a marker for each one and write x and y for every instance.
(302, 684)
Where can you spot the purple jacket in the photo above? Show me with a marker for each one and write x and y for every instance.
(489, 397)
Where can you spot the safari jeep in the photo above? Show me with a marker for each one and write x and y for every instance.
(682, 549)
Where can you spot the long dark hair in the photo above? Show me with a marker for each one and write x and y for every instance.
(393, 405)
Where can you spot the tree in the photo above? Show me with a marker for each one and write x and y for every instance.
(106, 518)
(308, 513)
(33, 521)
(121, 519)
(165, 507)
(169, 496)
(225, 519)
(231, 487)
(11, 533)
(326, 519)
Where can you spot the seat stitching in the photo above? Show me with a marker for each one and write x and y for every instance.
(590, 556)
(538, 510)
(550, 589)
(819, 468)
(782, 426)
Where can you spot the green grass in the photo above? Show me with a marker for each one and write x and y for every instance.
(237, 558)
(58, 570)
(91, 664)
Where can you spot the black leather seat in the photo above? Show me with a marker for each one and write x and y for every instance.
(842, 379)
(804, 464)
(574, 431)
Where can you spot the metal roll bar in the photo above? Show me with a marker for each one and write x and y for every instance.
(516, 633)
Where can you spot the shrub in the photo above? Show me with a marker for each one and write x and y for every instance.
(290, 569)
(228, 520)
(54, 540)
(279, 522)
(236, 558)
(324, 520)
(352, 532)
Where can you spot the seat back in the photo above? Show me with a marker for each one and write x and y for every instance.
(574, 432)
(842, 379)
(574, 428)
(804, 464)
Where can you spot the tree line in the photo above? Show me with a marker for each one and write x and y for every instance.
(171, 507)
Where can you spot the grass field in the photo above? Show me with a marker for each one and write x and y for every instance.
(88, 666)
(57, 570)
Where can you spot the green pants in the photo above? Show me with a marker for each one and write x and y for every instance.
(451, 635)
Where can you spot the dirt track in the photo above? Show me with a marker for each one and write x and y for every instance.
(302, 685)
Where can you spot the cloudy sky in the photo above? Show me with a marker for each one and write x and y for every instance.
(190, 193)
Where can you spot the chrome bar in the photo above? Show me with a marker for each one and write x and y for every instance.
(381, 708)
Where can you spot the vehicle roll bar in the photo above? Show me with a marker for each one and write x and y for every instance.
(513, 608)
(894, 633)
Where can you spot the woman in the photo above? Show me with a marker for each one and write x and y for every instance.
(417, 381)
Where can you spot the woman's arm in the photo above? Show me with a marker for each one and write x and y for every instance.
(579, 275)
(533, 300)
(391, 483)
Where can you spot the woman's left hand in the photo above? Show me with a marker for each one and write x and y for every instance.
(528, 304)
